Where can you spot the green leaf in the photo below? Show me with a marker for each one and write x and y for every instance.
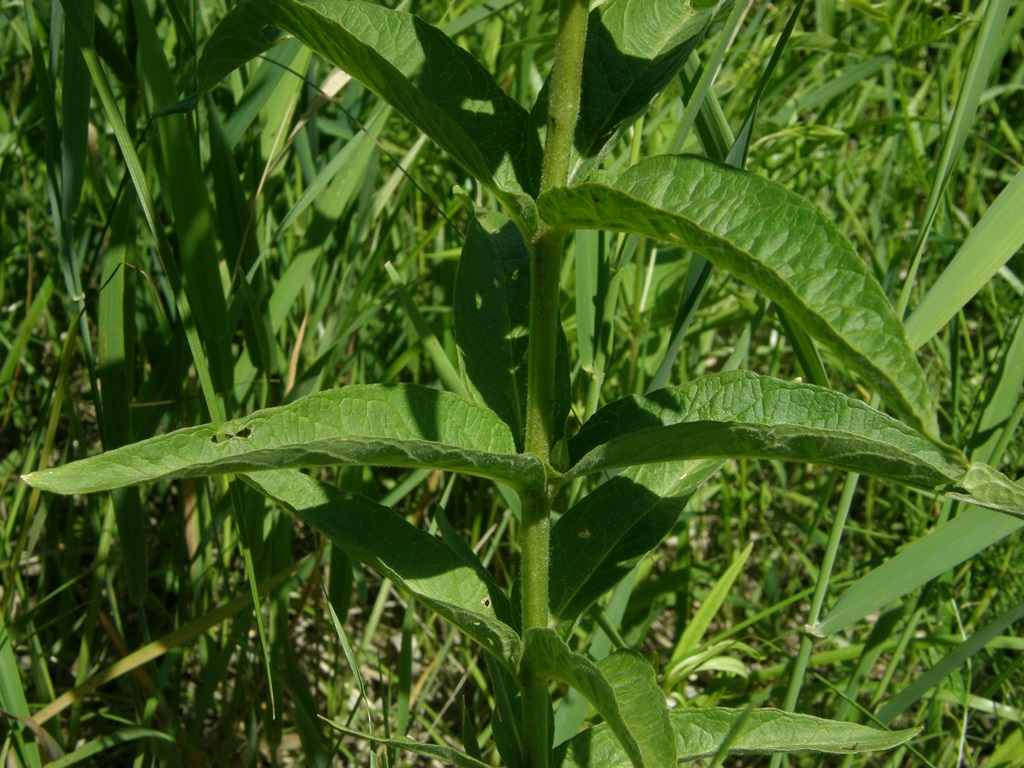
(622, 688)
(492, 319)
(993, 241)
(383, 425)
(415, 67)
(771, 238)
(500, 604)
(634, 48)
(698, 625)
(986, 487)
(410, 557)
(700, 733)
(927, 558)
(999, 234)
(87, 752)
(739, 413)
(950, 663)
(436, 751)
(956, 540)
(600, 538)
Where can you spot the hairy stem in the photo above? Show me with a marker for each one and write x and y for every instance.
(564, 99)
(541, 431)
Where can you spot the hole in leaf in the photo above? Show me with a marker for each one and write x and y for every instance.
(225, 436)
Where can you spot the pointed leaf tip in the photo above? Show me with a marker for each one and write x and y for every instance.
(984, 486)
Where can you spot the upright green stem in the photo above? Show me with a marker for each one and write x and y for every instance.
(564, 98)
(545, 270)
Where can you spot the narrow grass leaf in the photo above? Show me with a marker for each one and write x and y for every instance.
(421, 72)
(950, 663)
(382, 425)
(492, 316)
(188, 201)
(75, 104)
(975, 79)
(739, 413)
(338, 183)
(601, 537)
(445, 370)
(157, 648)
(14, 359)
(946, 547)
(842, 84)
(1001, 415)
(634, 48)
(316, 752)
(15, 706)
(700, 733)
(953, 542)
(411, 558)
(709, 607)
(771, 238)
(262, 83)
(240, 244)
(622, 688)
(88, 752)
(138, 177)
(993, 241)
(115, 347)
(446, 755)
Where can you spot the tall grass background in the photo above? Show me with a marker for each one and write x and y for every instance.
(290, 234)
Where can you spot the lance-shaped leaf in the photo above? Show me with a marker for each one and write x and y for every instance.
(739, 413)
(492, 320)
(774, 240)
(702, 732)
(634, 48)
(410, 557)
(622, 689)
(601, 537)
(414, 66)
(383, 425)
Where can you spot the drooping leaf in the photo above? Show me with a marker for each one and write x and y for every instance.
(771, 238)
(738, 413)
(383, 425)
(700, 733)
(600, 538)
(412, 558)
(492, 317)
(414, 66)
(622, 688)
(634, 48)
